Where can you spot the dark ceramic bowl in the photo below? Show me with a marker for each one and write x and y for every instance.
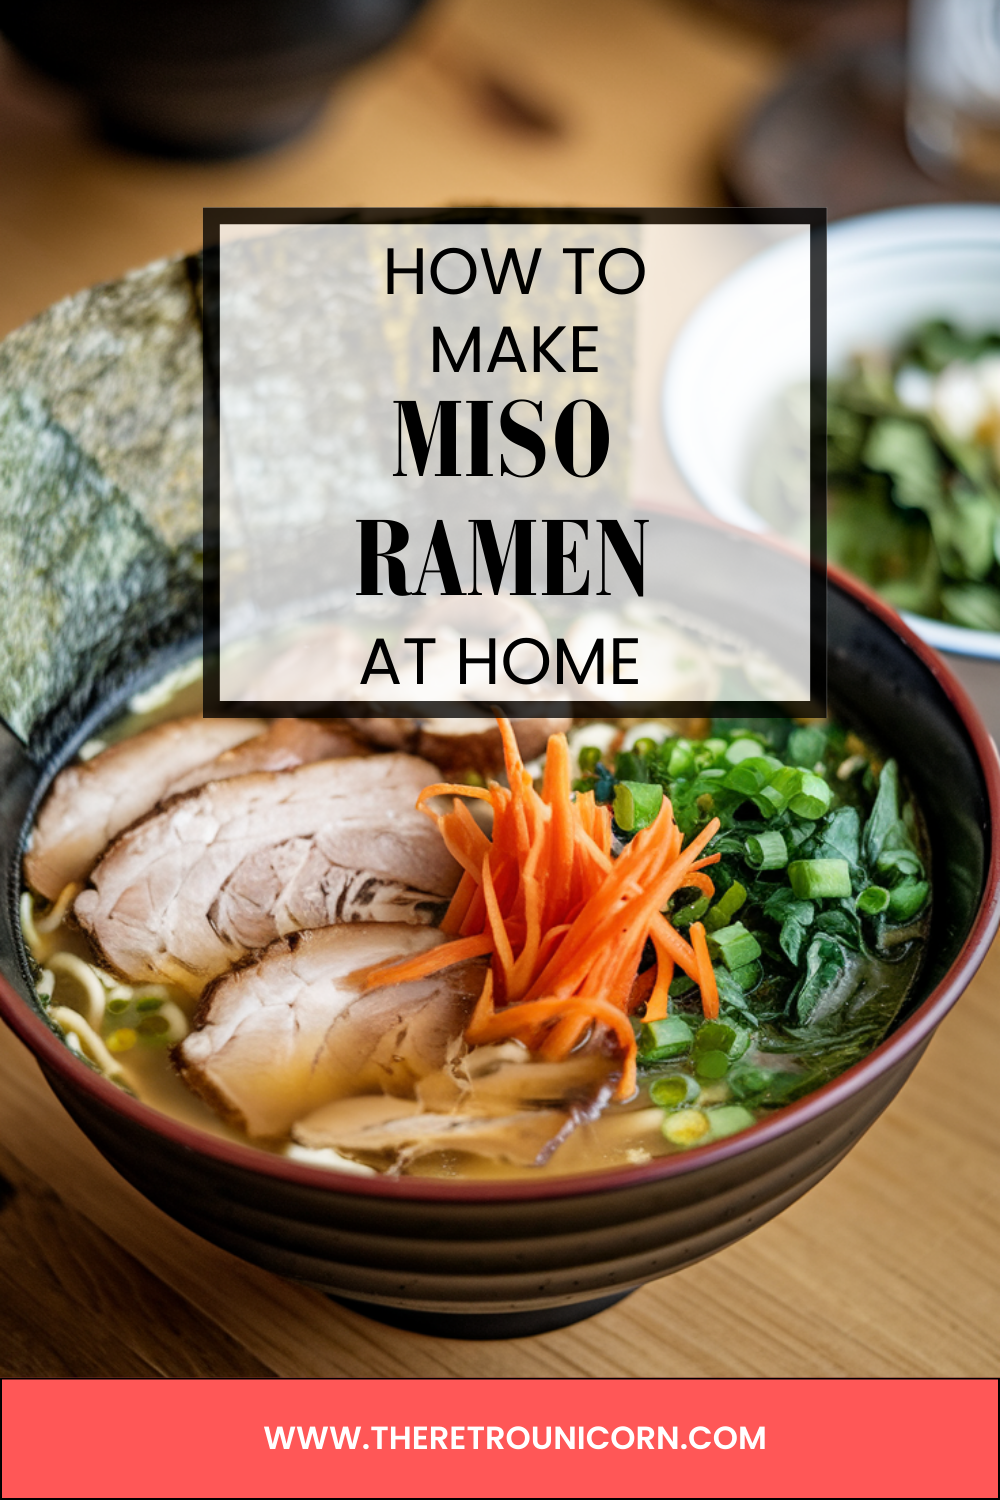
(202, 78)
(480, 1259)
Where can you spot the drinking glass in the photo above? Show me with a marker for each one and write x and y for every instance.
(953, 100)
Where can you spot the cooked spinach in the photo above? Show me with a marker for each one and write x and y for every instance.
(820, 858)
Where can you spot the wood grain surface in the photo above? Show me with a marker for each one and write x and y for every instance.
(888, 1267)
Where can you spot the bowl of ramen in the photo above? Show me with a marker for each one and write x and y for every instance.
(480, 1030)
(913, 446)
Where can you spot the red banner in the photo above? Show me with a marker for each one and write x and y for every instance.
(500, 1437)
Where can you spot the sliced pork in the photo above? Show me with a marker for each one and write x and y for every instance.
(92, 802)
(225, 869)
(283, 745)
(293, 1029)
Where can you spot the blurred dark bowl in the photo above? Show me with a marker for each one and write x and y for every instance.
(513, 1257)
(202, 78)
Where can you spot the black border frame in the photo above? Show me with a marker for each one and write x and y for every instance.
(814, 218)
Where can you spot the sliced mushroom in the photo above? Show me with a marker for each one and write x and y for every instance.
(223, 870)
(90, 804)
(493, 1101)
(504, 1079)
(293, 1028)
(375, 1124)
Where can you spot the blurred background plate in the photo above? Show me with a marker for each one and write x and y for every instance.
(886, 273)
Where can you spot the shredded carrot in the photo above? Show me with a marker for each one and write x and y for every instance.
(642, 988)
(429, 962)
(565, 1034)
(706, 974)
(460, 903)
(656, 1005)
(565, 923)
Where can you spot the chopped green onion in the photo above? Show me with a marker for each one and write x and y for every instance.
(711, 1064)
(802, 792)
(873, 899)
(148, 1002)
(730, 1038)
(714, 1036)
(117, 1006)
(742, 750)
(153, 1025)
(770, 801)
(745, 780)
(727, 1119)
(685, 1127)
(667, 1038)
(813, 798)
(783, 786)
(693, 912)
(734, 945)
(767, 851)
(748, 976)
(907, 899)
(730, 993)
(726, 907)
(673, 1091)
(750, 775)
(740, 1043)
(904, 860)
(588, 757)
(680, 985)
(681, 762)
(813, 879)
(747, 1082)
(637, 804)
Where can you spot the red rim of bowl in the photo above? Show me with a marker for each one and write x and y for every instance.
(50, 1050)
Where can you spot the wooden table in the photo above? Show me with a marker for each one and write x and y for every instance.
(889, 1266)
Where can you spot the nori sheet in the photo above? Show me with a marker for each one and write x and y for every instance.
(100, 494)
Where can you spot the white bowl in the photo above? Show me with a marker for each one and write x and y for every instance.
(745, 344)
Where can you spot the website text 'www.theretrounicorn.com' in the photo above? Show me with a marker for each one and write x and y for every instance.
(515, 1439)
